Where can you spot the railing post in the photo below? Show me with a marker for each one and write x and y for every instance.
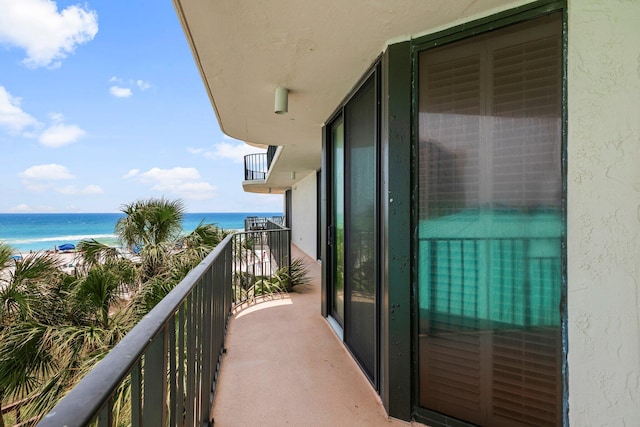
(207, 330)
(155, 382)
(105, 419)
(180, 374)
(173, 397)
(191, 375)
(136, 395)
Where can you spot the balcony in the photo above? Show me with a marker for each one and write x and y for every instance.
(255, 167)
(280, 168)
(254, 223)
(267, 359)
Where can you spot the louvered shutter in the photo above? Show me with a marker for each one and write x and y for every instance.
(489, 228)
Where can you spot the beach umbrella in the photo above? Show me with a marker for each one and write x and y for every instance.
(66, 247)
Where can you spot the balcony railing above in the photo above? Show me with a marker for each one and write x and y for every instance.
(255, 167)
(271, 153)
(164, 371)
(253, 223)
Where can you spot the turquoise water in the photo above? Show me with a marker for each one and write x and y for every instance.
(34, 232)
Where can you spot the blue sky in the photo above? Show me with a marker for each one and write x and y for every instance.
(101, 104)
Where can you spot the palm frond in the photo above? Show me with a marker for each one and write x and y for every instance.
(150, 222)
(14, 304)
(6, 256)
(36, 267)
(98, 291)
(93, 252)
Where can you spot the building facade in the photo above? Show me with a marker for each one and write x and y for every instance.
(468, 176)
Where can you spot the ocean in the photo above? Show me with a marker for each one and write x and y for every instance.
(36, 232)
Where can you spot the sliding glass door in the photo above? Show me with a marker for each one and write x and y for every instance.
(361, 263)
(353, 224)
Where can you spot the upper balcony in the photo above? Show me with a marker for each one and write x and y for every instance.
(277, 170)
(280, 363)
(257, 171)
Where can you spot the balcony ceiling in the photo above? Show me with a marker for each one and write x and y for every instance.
(318, 49)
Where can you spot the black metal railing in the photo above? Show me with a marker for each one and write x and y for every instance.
(271, 153)
(255, 167)
(253, 223)
(168, 363)
(261, 264)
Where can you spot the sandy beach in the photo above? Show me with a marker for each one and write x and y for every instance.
(67, 260)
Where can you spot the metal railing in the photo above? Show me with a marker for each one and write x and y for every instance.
(252, 223)
(271, 153)
(168, 363)
(255, 167)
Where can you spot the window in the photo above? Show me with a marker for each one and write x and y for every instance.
(490, 226)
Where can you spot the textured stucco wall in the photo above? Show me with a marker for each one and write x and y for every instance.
(604, 212)
(304, 202)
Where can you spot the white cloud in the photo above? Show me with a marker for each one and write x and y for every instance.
(72, 190)
(51, 172)
(59, 135)
(120, 92)
(143, 85)
(41, 178)
(23, 208)
(12, 117)
(15, 120)
(183, 182)
(122, 89)
(170, 176)
(227, 150)
(47, 36)
(56, 117)
(132, 173)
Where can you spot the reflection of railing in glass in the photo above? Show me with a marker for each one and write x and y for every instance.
(490, 325)
(362, 255)
(507, 281)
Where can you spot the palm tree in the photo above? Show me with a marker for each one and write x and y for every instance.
(6, 259)
(54, 326)
(201, 241)
(151, 226)
(31, 294)
(35, 275)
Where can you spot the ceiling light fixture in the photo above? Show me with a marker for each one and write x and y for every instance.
(281, 104)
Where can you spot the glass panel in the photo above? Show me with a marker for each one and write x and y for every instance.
(360, 329)
(337, 137)
(490, 226)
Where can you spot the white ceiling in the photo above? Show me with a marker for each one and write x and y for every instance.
(317, 49)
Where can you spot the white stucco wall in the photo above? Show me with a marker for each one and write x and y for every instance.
(304, 216)
(604, 212)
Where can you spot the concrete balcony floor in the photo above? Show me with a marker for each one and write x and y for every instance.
(285, 366)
